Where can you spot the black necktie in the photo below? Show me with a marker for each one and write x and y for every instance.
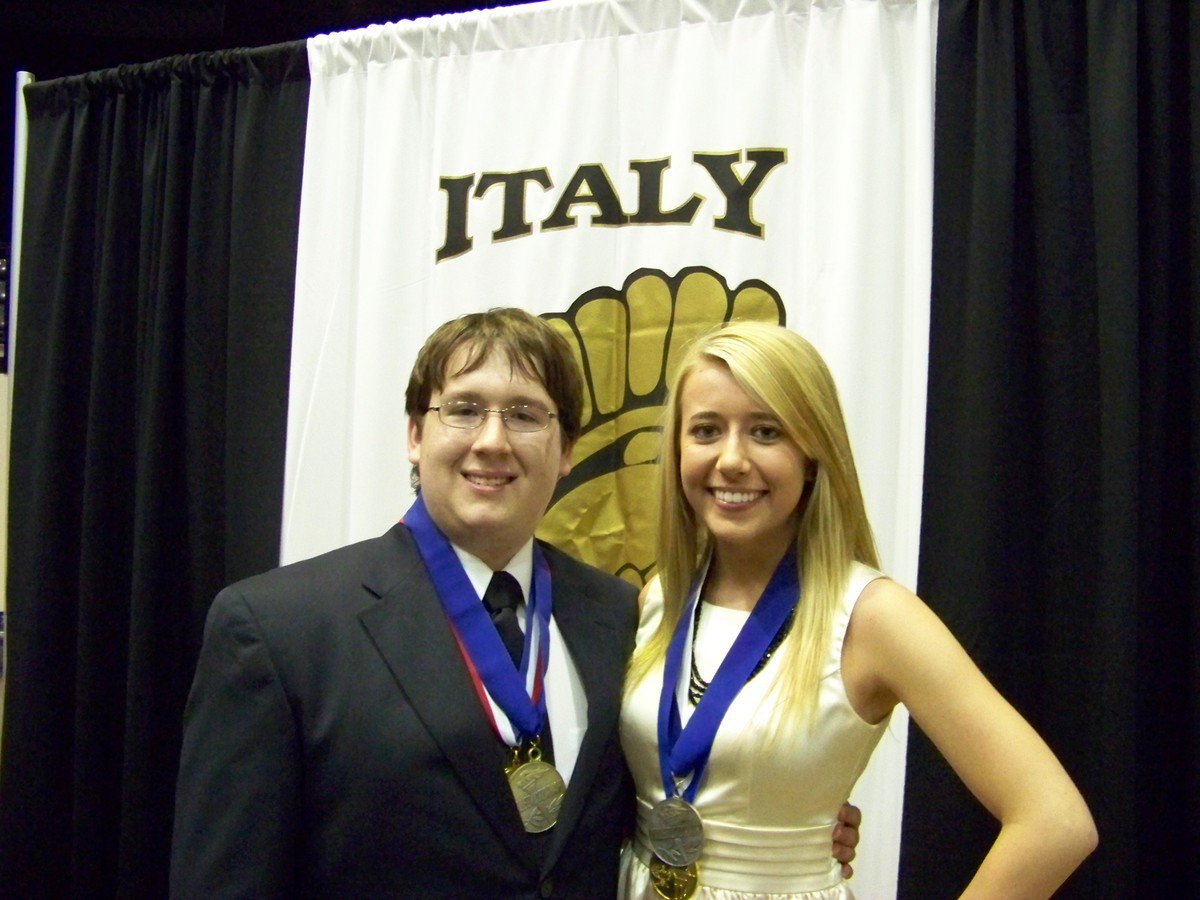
(501, 598)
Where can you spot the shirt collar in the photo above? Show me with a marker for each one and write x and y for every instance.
(519, 567)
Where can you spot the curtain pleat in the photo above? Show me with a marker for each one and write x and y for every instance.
(1061, 515)
(1168, 473)
(148, 427)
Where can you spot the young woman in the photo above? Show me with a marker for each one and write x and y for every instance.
(771, 653)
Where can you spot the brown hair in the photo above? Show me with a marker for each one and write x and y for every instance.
(531, 346)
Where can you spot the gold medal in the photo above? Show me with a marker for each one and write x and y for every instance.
(537, 788)
(673, 882)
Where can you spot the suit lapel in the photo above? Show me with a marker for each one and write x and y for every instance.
(410, 630)
(593, 637)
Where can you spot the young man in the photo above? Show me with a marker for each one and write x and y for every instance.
(357, 725)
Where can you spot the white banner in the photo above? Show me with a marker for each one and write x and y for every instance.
(636, 170)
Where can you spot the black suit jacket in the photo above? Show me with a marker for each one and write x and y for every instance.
(334, 744)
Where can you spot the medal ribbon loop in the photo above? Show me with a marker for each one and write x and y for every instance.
(519, 693)
(686, 750)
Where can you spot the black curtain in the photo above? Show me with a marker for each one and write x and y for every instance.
(149, 415)
(1061, 522)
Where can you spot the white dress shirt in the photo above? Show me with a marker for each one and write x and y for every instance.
(566, 703)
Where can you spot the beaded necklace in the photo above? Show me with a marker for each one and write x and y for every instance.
(697, 685)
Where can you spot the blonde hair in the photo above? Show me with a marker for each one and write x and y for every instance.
(784, 372)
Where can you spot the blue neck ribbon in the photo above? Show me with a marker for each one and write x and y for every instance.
(686, 750)
(519, 694)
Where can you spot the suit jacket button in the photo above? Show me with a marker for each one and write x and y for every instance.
(546, 888)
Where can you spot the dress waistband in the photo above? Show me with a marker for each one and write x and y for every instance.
(761, 860)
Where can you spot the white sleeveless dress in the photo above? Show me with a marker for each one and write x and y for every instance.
(769, 809)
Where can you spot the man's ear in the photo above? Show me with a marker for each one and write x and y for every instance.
(414, 440)
(568, 459)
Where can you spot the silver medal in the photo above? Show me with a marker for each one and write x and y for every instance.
(675, 832)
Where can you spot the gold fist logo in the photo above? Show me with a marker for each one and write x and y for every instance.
(627, 344)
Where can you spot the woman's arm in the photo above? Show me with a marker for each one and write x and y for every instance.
(897, 650)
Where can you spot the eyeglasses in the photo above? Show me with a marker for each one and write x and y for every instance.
(523, 417)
